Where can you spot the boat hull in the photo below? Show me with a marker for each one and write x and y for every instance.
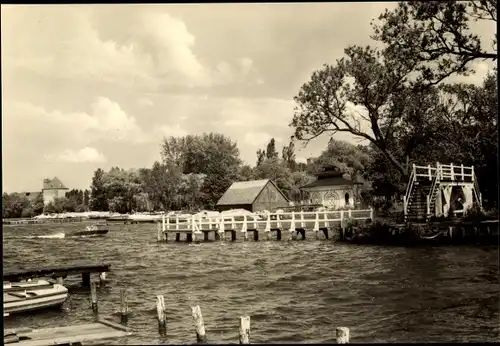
(33, 297)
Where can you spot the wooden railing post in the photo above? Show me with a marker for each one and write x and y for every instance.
(462, 171)
(452, 172)
(473, 175)
(302, 223)
(429, 171)
(163, 221)
(371, 213)
(176, 222)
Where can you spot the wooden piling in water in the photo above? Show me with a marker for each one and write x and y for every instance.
(244, 330)
(93, 296)
(177, 237)
(123, 306)
(233, 235)
(205, 235)
(256, 235)
(342, 335)
(189, 237)
(162, 315)
(199, 326)
(159, 235)
(278, 234)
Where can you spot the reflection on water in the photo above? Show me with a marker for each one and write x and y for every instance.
(293, 291)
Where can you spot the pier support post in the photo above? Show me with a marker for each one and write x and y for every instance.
(205, 235)
(233, 235)
(256, 235)
(199, 326)
(189, 237)
(342, 335)
(244, 330)
(278, 234)
(162, 315)
(86, 279)
(216, 235)
(93, 295)
(177, 237)
(102, 279)
(123, 306)
(325, 232)
(158, 228)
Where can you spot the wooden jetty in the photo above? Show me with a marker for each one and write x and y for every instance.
(295, 223)
(42, 221)
(68, 335)
(60, 273)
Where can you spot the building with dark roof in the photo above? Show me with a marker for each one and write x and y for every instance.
(332, 190)
(254, 195)
(53, 188)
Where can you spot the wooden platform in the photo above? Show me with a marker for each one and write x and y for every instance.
(55, 272)
(76, 334)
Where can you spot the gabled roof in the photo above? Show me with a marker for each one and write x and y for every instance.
(53, 184)
(245, 192)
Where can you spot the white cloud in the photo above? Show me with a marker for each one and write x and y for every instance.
(65, 42)
(87, 154)
(257, 139)
(105, 122)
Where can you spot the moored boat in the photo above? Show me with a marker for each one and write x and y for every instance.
(92, 230)
(32, 295)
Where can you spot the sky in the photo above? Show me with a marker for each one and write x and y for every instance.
(97, 86)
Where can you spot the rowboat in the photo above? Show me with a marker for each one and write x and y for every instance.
(32, 295)
(99, 229)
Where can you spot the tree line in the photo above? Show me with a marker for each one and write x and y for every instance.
(410, 113)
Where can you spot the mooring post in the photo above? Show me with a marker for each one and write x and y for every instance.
(199, 326)
(102, 279)
(159, 236)
(123, 306)
(342, 335)
(244, 330)
(86, 279)
(93, 295)
(162, 315)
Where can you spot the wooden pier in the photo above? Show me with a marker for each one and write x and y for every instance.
(60, 273)
(294, 223)
(68, 335)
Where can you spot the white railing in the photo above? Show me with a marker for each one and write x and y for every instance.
(436, 180)
(409, 188)
(267, 221)
(451, 171)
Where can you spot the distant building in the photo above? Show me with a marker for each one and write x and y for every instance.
(53, 189)
(331, 189)
(254, 195)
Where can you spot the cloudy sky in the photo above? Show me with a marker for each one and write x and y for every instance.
(89, 86)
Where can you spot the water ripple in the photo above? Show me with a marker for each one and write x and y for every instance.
(293, 291)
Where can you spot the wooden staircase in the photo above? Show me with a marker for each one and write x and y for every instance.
(425, 185)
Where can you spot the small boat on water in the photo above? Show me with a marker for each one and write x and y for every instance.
(99, 229)
(32, 295)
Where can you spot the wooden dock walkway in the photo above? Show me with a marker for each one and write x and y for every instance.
(59, 272)
(294, 223)
(76, 334)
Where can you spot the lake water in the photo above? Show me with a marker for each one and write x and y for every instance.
(296, 291)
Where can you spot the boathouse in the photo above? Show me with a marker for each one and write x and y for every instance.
(253, 195)
(331, 189)
(53, 188)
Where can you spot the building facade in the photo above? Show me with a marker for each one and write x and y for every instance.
(53, 188)
(332, 190)
(254, 195)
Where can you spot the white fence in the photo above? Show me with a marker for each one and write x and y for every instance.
(265, 221)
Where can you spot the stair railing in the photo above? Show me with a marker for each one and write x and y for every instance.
(477, 192)
(409, 189)
(433, 187)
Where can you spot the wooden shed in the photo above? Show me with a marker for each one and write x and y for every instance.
(253, 195)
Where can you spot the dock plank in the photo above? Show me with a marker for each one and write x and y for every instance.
(58, 271)
(102, 329)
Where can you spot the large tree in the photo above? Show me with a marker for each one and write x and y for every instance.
(439, 35)
(98, 200)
